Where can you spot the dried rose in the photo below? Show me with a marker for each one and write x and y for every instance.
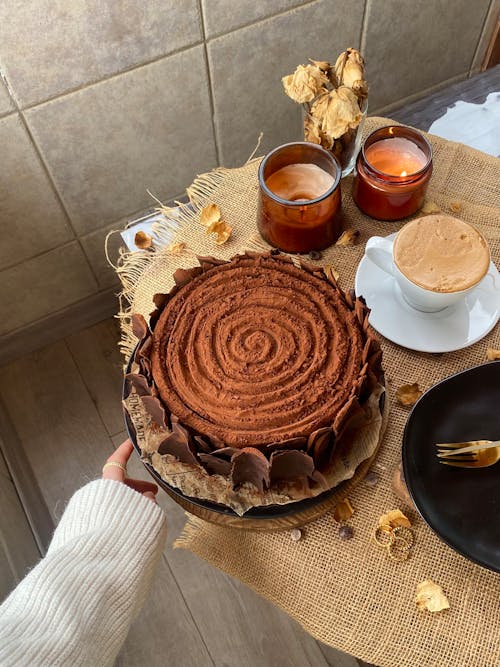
(393, 519)
(321, 64)
(430, 596)
(343, 511)
(408, 394)
(492, 354)
(455, 206)
(350, 71)
(305, 83)
(143, 241)
(429, 207)
(222, 229)
(338, 111)
(176, 248)
(210, 214)
(348, 237)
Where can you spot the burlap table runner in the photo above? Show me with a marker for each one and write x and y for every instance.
(346, 593)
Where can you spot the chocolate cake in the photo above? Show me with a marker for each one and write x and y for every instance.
(255, 368)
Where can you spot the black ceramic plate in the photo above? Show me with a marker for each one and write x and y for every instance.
(461, 505)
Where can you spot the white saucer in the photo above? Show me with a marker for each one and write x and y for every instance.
(450, 329)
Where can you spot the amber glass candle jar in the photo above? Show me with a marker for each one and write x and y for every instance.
(393, 170)
(310, 219)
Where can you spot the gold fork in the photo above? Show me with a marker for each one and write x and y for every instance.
(471, 454)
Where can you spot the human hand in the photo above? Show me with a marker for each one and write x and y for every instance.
(116, 468)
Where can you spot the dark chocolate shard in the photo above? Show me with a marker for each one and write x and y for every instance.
(183, 276)
(226, 452)
(292, 443)
(290, 464)
(208, 263)
(178, 444)
(215, 465)
(159, 301)
(250, 465)
(155, 409)
(203, 444)
(320, 446)
(139, 326)
(139, 383)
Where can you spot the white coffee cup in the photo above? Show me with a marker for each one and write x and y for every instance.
(380, 251)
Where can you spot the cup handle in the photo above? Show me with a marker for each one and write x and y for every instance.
(379, 250)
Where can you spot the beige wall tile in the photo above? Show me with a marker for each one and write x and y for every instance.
(68, 44)
(247, 66)
(221, 16)
(5, 101)
(412, 46)
(149, 128)
(43, 285)
(31, 217)
(93, 246)
(487, 34)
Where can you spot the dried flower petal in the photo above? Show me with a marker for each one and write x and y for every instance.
(408, 394)
(209, 214)
(338, 112)
(143, 241)
(429, 207)
(331, 273)
(456, 206)
(222, 229)
(343, 511)
(348, 237)
(392, 519)
(305, 83)
(295, 534)
(176, 248)
(321, 64)
(371, 479)
(492, 354)
(430, 596)
(350, 71)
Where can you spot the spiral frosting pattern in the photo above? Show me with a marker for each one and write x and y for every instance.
(256, 351)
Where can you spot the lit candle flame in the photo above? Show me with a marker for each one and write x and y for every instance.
(403, 173)
(391, 130)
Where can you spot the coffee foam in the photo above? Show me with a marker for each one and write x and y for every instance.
(300, 182)
(441, 253)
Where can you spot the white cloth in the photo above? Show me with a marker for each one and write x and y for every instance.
(75, 607)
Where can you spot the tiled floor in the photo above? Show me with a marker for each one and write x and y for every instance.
(63, 414)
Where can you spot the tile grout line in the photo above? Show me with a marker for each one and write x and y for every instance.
(152, 61)
(108, 77)
(57, 194)
(210, 84)
(482, 35)
(364, 28)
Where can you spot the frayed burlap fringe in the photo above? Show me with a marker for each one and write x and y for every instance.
(347, 593)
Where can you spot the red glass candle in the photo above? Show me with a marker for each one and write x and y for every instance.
(299, 198)
(393, 171)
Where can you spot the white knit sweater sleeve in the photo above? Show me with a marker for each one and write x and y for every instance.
(75, 607)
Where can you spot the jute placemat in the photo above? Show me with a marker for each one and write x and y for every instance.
(346, 593)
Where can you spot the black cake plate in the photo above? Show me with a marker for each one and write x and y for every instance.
(265, 518)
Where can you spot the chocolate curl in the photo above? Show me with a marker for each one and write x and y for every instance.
(250, 465)
(293, 443)
(183, 276)
(215, 465)
(290, 465)
(139, 383)
(203, 444)
(178, 444)
(139, 326)
(208, 263)
(320, 446)
(226, 452)
(155, 410)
